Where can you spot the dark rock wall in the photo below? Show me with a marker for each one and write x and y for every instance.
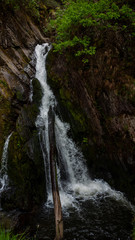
(18, 37)
(25, 162)
(19, 34)
(98, 99)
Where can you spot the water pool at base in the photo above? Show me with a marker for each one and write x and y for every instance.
(100, 219)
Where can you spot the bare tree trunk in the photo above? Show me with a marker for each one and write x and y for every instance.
(55, 189)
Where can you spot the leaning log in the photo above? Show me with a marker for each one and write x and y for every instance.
(54, 180)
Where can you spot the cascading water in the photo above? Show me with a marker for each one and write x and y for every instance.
(75, 184)
(3, 170)
(48, 100)
(31, 91)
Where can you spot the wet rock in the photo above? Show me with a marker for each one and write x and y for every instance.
(17, 113)
(7, 221)
(25, 161)
(97, 99)
(17, 42)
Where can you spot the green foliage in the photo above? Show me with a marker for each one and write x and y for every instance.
(77, 21)
(85, 140)
(4, 235)
(3, 83)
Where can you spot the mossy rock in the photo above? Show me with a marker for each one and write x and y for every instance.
(107, 154)
(37, 92)
(7, 121)
(26, 173)
(6, 221)
(25, 160)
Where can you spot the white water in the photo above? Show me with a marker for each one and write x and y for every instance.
(3, 171)
(31, 91)
(75, 184)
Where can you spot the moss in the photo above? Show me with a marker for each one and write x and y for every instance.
(26, 121)
(65, 94)
(68, 102)
(5, 91)
(16, 148)
(106, 152)
(37, 92)
(75, 113)
(6, 120)
(25, 159)
(78, 117)
(79, 124)
(25, 162)
(19, 96)
(3, 83)
(54, 82)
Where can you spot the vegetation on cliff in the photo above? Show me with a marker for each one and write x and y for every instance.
(77, 21)
(75, 27)
(34, 7)
(31, 5)
(101, 90)
(8, 236)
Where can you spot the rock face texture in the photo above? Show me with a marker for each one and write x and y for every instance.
(18, 37)
(98, 98)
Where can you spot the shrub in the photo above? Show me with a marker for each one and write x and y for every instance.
(76, 22)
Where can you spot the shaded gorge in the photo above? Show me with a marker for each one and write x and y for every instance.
(91, 208)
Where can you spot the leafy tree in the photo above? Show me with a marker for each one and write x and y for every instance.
(76, 22)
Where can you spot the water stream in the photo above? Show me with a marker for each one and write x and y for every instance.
(91, 208)
(3, 170)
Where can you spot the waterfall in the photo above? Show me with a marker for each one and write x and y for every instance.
(74, 181)
(31, 91)
(3, 171)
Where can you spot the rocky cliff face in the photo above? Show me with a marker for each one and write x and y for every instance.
(98, 99)
(18, 37)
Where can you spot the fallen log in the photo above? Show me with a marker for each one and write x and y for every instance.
(54, 180)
